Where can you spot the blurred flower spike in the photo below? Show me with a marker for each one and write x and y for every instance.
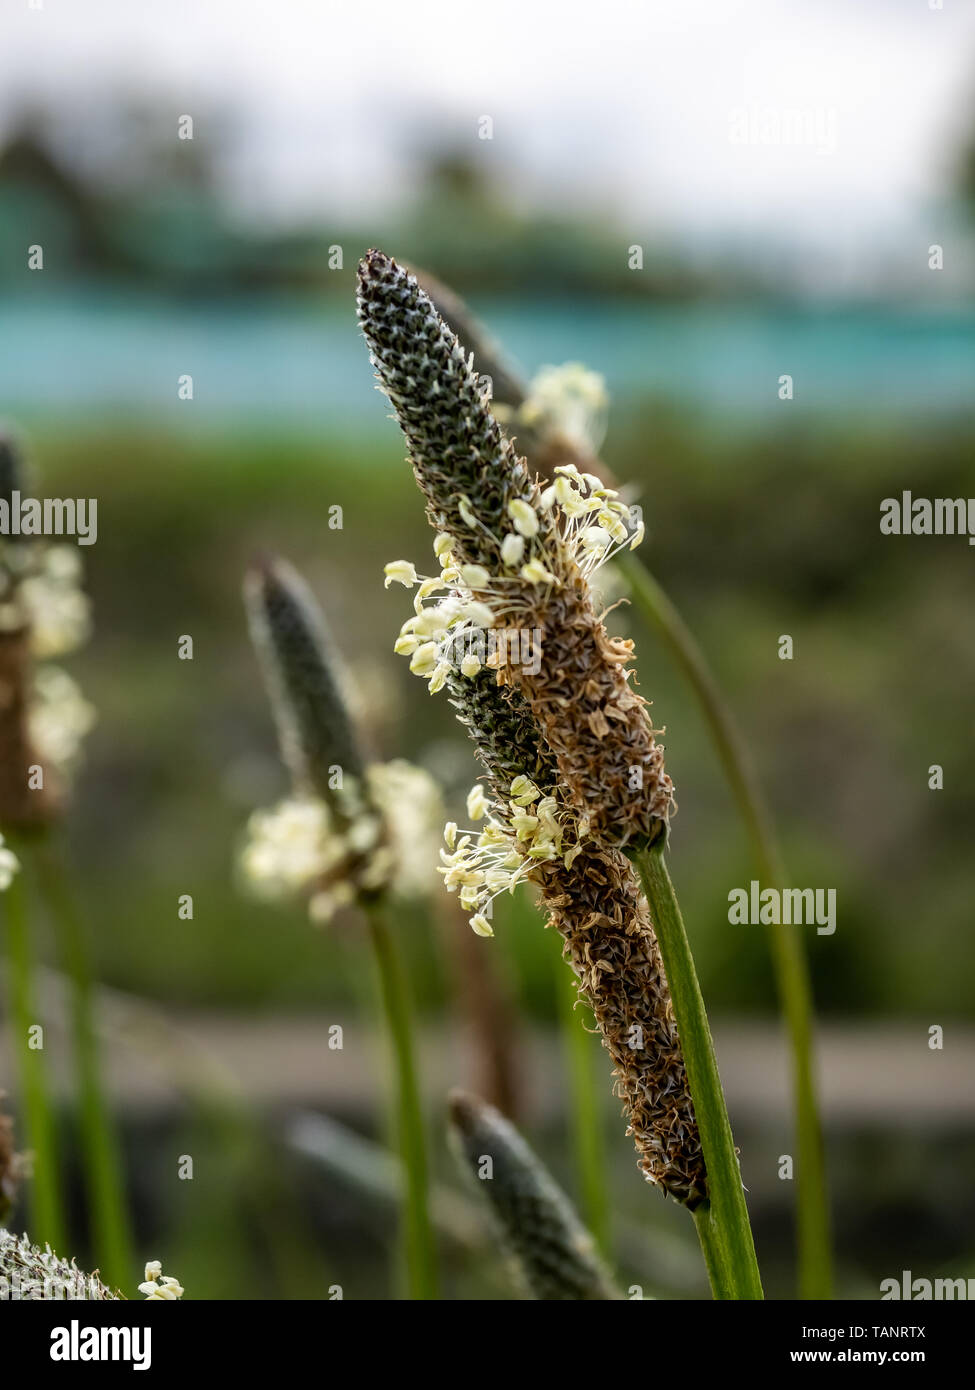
(44, 614)
(350, 830)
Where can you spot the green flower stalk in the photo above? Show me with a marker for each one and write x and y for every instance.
(345, 838)
(552, 1256)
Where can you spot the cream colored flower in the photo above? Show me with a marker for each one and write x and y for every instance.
(289, 846)
(478, 804)
(524, 516)
(59, 717)
(159, 1286)
(570, 399)
(400, 572)
(9, 865)
(55, 608)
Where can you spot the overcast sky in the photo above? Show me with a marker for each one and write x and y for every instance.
(670, 111)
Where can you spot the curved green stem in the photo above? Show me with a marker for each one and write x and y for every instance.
(786, 949)
(104, 1172)
(47, 1211)
(419, 1239)
(587, 1127)
(724, 1229)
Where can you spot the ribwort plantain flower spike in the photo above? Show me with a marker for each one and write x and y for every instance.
(552, 1255)
(612, 795)
(514, 554)
(301, 673)
(350, 830)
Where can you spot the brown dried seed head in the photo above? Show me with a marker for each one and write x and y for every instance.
(596, 725)
(597, 908)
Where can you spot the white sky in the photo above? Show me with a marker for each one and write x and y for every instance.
(624, 104)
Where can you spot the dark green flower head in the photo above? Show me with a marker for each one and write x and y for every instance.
(466, 468)
(553, 1255)
(301, 672)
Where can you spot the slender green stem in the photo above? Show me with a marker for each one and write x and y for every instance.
(588, 1132)
(104, 1170)
(47, 1211)
(785, 946)
(722, 1285)
(725, 1232)
(419, 1240)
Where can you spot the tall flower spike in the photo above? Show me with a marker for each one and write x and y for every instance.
(553, 1255)
(42, 714)
(527, 554)
(300, 671)
(521, 407)
(595, 904)
(464, 465)
(506, 390)
(350, 830)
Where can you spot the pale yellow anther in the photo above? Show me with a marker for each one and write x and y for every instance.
(512, 550)
(400, 572)
(536, 573)
(478, 804)
(524, 517)
(424, 659)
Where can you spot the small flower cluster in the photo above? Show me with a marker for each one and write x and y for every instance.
(349, 830)
(570, 399)
(44, 614)
(9, 865)
(40, 589)
(451, 609)
(34, 1273)
(160, 1286)
(528, 830)
(43, 606)
(367, 840)
(59, 717)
